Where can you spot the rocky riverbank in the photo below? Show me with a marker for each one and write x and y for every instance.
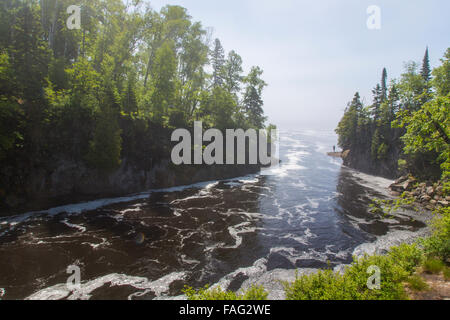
(69, 182)
(427, 194)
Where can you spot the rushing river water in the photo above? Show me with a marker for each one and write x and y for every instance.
(308, 213)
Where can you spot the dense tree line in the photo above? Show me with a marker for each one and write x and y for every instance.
(110, 89)
(408, 122)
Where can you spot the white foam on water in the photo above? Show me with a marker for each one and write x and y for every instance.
(78, 208)
(95, 246)
(60, 291)
(75, 226)
(258, 268)
(314, 203)
(237, 230)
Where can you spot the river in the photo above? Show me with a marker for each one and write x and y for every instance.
(310, 212)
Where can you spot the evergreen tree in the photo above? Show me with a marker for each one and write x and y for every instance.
(233, 72)
(253, 102)
(377, 101)
(426, 69)
(348, 127)
(384, 88)
(218, 62)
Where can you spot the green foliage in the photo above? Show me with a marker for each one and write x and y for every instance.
(395, 268)
(416, 283)
(254, 293)
(406, 128)
(115, 87)
(387, 207)
(10, 111)
(105, 147)
(438, 245)
(434, 266)
(347, 129)
(447, 273)
(253, 98)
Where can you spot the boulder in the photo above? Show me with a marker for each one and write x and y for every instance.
(425, 198)
(401, 180)
(443, 203)
(397, 188)
(408, 185)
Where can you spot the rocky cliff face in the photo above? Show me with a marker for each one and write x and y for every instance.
(70, 182)
(363, 161)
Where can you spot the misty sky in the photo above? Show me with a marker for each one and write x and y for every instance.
(317, 54)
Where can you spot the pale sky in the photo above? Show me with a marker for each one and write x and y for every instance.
(317, 54)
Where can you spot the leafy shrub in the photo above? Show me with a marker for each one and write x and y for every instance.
(438, 245)
(395, 268)
(407, 256)
(416, 283)
(434, 266)
(254, 293)
(447, 273)
(324, 285)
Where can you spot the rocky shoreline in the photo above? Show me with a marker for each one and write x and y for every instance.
(427, 194)
(70, 182)
(273, 280)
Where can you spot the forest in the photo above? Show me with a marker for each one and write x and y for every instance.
(406, 129)
(114, 88)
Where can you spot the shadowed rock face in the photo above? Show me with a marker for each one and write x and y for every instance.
(70, 182)
(363, 161)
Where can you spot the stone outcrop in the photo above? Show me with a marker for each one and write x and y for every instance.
(429, 195)
(71, 182)
(363, 161)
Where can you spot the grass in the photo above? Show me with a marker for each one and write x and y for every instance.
(416, 283)
(254, 293)
(433, 266)
(447, 273)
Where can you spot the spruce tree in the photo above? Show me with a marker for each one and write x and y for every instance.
(384, 88)
(426, 69)
(253, 102)
(377, 101)
(218, 62)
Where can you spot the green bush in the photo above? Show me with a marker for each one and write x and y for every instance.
(407, 256)
(395, 269)
(254, 293)
(447, 273)
(416, 283)
(433, 266)
(324, 285)
(438, 245)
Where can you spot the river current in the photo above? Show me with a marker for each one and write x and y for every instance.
(310, 212)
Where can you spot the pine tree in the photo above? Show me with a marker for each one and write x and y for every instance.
(233, 72)
(253, 102)
(426, 69)
(348, 126)
(384, 88)
(218, 62)
(377, 101)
